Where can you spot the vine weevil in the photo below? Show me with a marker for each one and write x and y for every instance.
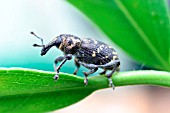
(89, 53)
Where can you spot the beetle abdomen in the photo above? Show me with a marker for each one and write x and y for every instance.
(95, 52)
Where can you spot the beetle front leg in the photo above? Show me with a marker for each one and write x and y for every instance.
(58, 59)
(63, 59)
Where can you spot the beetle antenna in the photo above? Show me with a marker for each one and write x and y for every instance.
(36, 45)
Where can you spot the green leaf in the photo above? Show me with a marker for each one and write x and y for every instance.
(30, 91)
(140, 27)
(35, 91)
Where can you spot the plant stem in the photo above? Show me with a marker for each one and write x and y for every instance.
(159, 78)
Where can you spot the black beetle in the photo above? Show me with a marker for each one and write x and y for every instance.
(90, 53)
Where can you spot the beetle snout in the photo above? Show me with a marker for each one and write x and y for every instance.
(44, 51)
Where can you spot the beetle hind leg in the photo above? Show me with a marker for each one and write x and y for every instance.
(103, 72)
(115, 66)
(88, 73)
(111, 65)
(77, 65)
(93, 68)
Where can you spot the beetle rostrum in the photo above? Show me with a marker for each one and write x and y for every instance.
(87, 52)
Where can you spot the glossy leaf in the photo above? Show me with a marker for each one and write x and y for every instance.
(141, 28)
(30, 91)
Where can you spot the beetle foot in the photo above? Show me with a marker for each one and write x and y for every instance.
(74, 73)
(111, 83)
(85, 81)
(85, 78)
(56, 77)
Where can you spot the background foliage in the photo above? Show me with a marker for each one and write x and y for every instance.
(140, 28)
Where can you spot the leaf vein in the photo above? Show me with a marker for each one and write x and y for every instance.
(140, 32)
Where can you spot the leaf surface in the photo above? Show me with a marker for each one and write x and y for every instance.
(29, 91)
(36, 91)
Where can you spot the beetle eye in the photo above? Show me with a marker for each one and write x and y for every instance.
(58, 41)
(69, 42)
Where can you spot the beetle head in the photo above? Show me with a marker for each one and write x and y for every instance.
(65, 42)
(69, 43)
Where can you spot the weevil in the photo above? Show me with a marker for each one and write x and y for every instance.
(87, 52)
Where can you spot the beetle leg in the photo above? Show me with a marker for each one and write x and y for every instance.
(77, 65)
(58, 59)
(114, 65)
(63, 59)
(93, 68)
(103, 72)
(88, 73)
